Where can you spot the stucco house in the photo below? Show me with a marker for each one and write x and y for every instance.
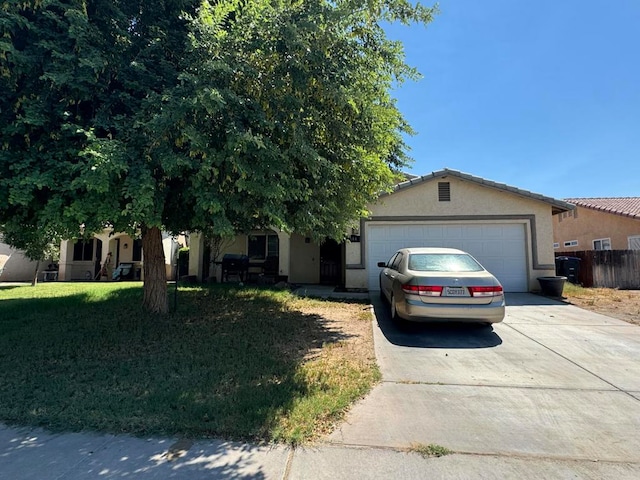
(83, 259)
(14, 265)
(509, 230)
(598, 224)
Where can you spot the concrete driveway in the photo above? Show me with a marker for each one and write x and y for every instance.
(552, 383)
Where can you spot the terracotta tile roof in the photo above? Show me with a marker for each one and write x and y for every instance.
(626, 206)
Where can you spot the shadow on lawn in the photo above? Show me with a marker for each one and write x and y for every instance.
(9, 287)
(226, 364)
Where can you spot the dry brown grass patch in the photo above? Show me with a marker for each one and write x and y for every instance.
(620, 304)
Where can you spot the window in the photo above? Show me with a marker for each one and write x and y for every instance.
(556, 245)
(390, 261)
(427, 262)
(262, 246)
(571, 243)
(602, 244)
(634, 242)
(83, 251)
(444, 192)
(396, 261)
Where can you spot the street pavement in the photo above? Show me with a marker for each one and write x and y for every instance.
(552, 392)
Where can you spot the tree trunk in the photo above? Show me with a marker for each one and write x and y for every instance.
(34, 282)
(155, 297)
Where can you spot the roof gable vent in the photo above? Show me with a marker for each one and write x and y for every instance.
(444, 192)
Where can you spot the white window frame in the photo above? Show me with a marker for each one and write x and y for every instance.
(556, 245)
(571, 243)
(630, 240)
(602, 243)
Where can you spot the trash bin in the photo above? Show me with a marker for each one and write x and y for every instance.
(568, 267)
(552, 286)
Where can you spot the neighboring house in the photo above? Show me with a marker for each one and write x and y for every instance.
(14, 266)
(507, 229)
(598, 224)
(84, 259)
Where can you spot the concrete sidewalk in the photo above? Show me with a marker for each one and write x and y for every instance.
(34, 454)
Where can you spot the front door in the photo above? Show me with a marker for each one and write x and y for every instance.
(331, 262)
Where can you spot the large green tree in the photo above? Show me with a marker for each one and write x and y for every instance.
(194, 115)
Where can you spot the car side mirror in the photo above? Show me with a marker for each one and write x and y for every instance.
(382, 264)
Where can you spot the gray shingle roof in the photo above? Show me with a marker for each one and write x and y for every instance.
(557, 206)
(625, 206)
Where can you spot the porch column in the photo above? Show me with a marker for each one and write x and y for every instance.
(66, 257)
(196, 250)
(284, 253)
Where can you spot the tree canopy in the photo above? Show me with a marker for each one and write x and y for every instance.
(191, 115)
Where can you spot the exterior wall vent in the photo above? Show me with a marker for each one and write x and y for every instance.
(444, 192)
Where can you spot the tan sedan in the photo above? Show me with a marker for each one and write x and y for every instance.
(440, 284)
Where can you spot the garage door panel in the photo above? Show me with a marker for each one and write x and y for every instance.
(497, 267)
(380, 253)
(494, 232)
(415, 231)
(473, 231)
(493, 249)
(513, 234)
(398, 234)
(453, 232)
(434, 233)
(474, 247)
(499, 247)
(511, 248)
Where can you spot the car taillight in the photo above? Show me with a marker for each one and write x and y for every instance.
(428, 290)
(493, 291)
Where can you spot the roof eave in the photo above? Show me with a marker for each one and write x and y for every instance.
(557, 206)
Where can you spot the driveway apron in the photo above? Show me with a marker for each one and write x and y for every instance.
(552, 381)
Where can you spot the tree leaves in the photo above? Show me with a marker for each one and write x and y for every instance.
(192, 115)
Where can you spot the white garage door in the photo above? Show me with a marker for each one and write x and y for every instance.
(499, 247)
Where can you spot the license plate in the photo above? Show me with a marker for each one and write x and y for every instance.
(455, 292)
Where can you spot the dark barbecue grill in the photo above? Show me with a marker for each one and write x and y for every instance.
(235, 264)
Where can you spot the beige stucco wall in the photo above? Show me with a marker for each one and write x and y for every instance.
(238, 245)
(15, 266)
(586, 225)
(470, 202)
(84, 270)
(121, 247)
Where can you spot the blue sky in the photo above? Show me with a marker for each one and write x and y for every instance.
(542, 95)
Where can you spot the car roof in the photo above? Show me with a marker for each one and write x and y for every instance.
(434, 250)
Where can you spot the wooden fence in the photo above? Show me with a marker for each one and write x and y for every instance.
(607, 268)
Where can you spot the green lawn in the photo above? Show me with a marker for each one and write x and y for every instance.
(248, 363)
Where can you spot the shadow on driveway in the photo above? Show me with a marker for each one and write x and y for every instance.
(434, 334)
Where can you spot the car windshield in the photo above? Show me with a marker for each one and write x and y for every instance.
(443, 262)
